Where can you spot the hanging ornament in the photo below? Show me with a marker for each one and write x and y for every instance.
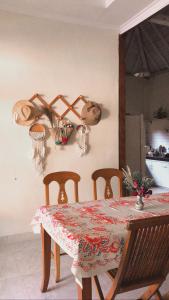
(82, 133)
(38, 133)
(57, 136)
(62, 131)
(67, 129)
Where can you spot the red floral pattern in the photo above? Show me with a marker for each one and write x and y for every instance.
(93, 233)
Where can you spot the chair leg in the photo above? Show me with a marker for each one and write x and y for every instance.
(57, 261)
(98, 288)
(152, 290)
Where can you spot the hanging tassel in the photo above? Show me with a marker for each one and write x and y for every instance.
(82, 132)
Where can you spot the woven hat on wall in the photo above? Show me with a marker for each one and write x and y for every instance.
(24, 113)
(91, 113)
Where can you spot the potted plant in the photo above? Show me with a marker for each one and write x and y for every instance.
(160, 113)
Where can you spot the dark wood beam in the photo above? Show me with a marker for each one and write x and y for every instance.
(130, 44)
(155, 48)
(152, 61)
(135, 64)
(141, 50)
(160, 19)
(128, 40)
(161, 38)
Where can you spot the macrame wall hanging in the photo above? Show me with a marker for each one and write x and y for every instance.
(29, 112)
(37, 133)
(82, 137)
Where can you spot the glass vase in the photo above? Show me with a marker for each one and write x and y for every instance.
(139, 203)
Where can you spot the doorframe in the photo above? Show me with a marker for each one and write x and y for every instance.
(122, 102)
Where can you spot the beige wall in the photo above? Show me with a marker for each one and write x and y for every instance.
(42, 56)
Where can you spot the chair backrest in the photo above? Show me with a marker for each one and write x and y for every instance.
(145, 258)
(61, 178)
(107, 174)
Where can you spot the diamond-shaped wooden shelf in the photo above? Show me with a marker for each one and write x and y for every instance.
(51, 109)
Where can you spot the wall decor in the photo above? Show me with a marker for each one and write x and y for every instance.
(25, 113)
(82, 135)
(31, 112)
(37, 133)
(62, 131)
(50, 107)
(91, 113)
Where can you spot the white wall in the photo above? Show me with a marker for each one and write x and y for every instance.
(134, 95)
(41, 56)
(159, 87)
(147, 95)
(144, 96)
(158, 133)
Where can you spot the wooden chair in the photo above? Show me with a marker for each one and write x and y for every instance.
(107, 174)
(61, 178)
(145, 259)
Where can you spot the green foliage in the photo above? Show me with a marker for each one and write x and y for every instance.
(137, 177)
(160, 113)
(135, 182)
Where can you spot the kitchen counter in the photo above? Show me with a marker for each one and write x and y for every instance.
(158, 168)
(158, 158)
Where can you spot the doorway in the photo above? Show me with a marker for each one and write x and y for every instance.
(149, 56)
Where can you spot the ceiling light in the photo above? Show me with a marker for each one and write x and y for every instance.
(142, 74)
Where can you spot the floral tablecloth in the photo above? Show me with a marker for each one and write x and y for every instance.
(93, 233)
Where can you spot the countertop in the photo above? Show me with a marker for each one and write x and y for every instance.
(158, 158)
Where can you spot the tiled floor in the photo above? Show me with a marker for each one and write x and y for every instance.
(20, 272)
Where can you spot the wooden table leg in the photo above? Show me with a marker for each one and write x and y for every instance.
(85, 293)
(57, 261)
(46, 258)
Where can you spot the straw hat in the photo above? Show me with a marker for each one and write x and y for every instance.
(24, 113)
(91, 113)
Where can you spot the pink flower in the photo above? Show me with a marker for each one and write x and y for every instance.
(135, 184)
(64, 140)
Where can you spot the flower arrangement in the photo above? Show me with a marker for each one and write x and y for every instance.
(136, 184)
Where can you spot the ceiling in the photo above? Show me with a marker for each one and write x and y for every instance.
(102, 13)
(147, 46)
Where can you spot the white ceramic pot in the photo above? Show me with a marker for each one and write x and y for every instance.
(139, 203)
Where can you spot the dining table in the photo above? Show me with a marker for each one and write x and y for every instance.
(93, 233)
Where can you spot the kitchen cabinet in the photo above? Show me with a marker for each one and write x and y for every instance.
(159, 171)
